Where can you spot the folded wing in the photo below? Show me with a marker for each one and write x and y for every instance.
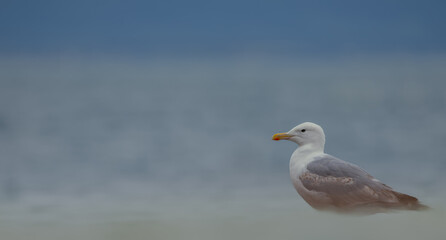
(350, 187)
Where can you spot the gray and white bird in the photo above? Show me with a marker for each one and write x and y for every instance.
(328, 183)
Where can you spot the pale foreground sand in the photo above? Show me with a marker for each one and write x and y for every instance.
(245, 217)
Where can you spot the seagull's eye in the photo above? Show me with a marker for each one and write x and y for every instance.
(303, 130)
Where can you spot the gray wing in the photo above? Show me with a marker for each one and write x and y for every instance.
(345, 184)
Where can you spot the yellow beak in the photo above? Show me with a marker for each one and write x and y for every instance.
(281, 136)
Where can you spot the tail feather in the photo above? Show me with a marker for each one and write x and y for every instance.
(409, 202)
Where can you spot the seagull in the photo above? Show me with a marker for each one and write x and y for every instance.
(328, 183)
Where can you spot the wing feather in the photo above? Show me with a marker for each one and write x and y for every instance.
(349, 186)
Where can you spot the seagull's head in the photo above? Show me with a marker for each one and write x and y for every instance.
(303, 134)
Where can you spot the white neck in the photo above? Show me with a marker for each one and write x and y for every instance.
(311, 148)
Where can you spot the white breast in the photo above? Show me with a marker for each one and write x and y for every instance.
(299, 161)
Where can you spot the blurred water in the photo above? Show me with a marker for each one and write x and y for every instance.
(172, 148)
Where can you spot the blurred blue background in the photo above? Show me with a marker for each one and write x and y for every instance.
(162, 110)
(221, 28)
